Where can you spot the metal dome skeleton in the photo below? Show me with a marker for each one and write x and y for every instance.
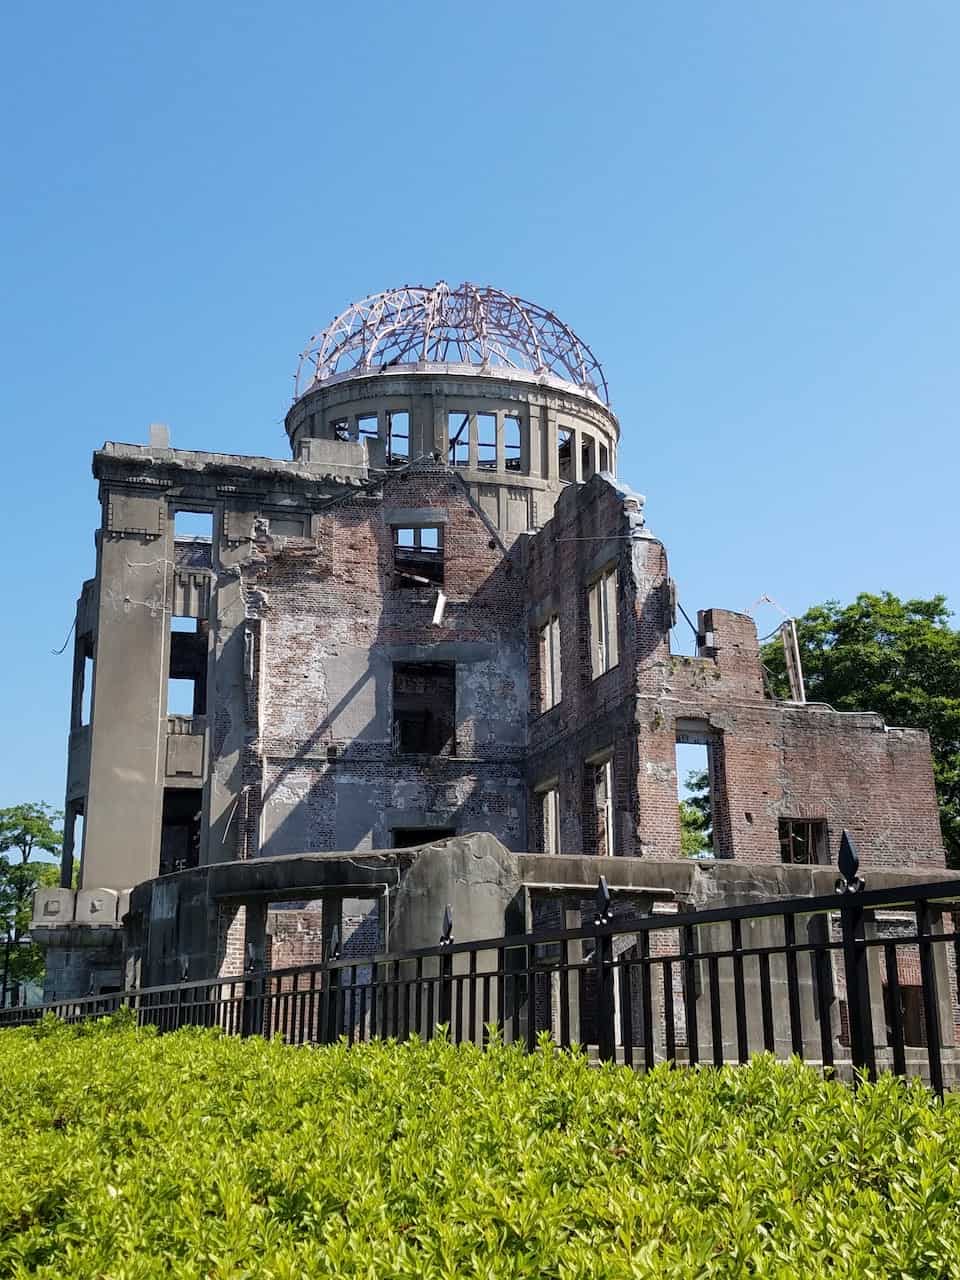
(473, 325)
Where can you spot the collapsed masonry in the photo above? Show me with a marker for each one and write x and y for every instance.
(444, 615)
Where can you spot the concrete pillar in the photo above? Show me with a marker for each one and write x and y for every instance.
(122, 838)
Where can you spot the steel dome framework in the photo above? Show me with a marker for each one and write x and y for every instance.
(472, 324)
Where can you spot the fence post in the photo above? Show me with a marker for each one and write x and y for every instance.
(855, 964)
(445, 1001)
(330, 993)
(606, 1031)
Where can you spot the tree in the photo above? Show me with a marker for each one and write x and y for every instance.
(25, 831)
(696, 831)
(900, 658)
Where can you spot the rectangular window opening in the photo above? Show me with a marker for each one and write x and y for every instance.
(180, 829)
(187, 683)
(487, 441)
(398, 438)
(458, 439)
(603, 802)
(586, 458)
(550, 819)
(409, 837)
(342, 429)
(602, 617)
(418, 555)
(368, 426)
(565, 453)
(604, 464)
(77, 848)
(804, 841)
(549, 656)
(511, 442)
(909, 1014)
(193, 526)
(424, 708)
(86, 690)
(694, 795)
(294, 936)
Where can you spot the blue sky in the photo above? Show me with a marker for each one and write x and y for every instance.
(749, 211)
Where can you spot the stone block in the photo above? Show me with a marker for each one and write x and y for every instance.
(52, 908)
(185, 755)
(96, 906)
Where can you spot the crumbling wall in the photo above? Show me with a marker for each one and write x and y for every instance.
(768, 760)
(592, 531)
(332, 623)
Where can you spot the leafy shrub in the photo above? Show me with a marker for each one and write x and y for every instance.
(128, 1155)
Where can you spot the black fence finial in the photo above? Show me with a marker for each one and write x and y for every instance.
(848, 864)
(446, 933)
(604, 908)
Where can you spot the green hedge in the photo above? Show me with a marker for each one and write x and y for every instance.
(124, 1154)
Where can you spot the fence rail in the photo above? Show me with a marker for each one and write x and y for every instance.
(857, 981)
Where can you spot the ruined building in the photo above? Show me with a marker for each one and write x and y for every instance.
(443, 614)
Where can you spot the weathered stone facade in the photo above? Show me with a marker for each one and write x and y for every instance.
(417, 628)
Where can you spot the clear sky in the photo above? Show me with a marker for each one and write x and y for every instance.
(749, 211)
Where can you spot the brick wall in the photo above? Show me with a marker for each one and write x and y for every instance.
(332, 621)
(769, 760)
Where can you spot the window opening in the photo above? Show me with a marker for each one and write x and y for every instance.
(180, 829)
(193, 526)
(550, 819)
(511, 442)
(77, 867)
(604, 464)
(187, 683)
(550, 663)
(602, 613)
(565, 453)
(368, 427)
(487, 441)
(72, 848)
(408, 837)
(341, 429)
(398, 438)
(458, 436)
(418, 555)
(424, 708)
(909, 1014)
(586, 458)
(603, 806)
(803, 841)
(294, 936)
(694, 798)
(86, 685)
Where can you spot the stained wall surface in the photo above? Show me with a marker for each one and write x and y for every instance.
(313, 643)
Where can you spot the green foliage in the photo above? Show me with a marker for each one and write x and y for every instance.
(696, 823)
(898, 657)
(129, 1155)
(25, 830)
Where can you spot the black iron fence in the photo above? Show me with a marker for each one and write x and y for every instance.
(861, 980)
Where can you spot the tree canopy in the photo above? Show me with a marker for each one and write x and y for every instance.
(696, 824)
(900, 658)
(26, 830)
